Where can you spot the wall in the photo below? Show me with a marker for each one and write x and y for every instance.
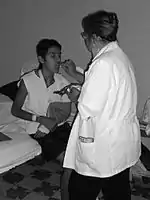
(24, 22)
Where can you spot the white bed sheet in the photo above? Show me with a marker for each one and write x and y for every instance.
(22, 147)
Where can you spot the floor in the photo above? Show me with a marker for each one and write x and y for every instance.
(41, 181)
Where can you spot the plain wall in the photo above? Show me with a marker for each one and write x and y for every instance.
(24, 22)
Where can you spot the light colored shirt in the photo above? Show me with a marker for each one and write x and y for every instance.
(105, 137)
(39, 96)
(33, 64)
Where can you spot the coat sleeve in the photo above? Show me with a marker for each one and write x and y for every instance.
(94, 93)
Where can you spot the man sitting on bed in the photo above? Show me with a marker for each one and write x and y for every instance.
(36, 95)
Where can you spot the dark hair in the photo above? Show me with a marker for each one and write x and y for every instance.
(101, 23)
(43, 46)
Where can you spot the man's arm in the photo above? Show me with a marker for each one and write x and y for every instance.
(16, 109)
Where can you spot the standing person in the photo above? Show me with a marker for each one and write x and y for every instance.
(105, 138)
(36, 100)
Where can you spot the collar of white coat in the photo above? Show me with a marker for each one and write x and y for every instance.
(108, 47)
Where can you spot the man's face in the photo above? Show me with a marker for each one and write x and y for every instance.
(53, 59)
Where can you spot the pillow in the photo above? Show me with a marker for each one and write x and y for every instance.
(10, 90)
(29, 66)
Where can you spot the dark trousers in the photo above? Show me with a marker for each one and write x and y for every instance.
(145, 156)
(55, 142)
(116, 187)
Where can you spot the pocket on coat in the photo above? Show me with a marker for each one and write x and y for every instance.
(85, 152)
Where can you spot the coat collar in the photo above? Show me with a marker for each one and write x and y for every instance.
(108, 47)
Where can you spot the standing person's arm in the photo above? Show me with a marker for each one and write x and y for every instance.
(94, 95)
(70, 68)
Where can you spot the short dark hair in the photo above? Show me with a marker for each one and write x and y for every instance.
(101, 23)
(43, 46)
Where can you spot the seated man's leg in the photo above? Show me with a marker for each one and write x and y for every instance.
(62, 132)
(51, 148)
(54, 143)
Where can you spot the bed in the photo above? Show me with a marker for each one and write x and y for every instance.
(21, 147)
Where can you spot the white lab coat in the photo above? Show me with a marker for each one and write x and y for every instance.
(105, 137)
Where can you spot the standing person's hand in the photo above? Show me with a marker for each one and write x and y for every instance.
(69, 67)
(73, 95)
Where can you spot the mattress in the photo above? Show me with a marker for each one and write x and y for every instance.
(21, 147)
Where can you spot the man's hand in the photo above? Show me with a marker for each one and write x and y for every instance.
(49, 123)
(39, 134)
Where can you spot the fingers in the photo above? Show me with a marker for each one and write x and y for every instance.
(66, 61)
(65, 64)
(39, 134)
(63, 91)
(65, 68)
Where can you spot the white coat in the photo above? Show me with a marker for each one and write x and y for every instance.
(105, 137)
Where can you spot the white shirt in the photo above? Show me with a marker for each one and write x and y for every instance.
(39, 96)
(105, 137)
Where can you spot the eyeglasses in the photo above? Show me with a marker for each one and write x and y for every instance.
(84, 35)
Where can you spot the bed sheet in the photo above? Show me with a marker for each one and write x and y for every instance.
(22, 147)
(17, 151)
